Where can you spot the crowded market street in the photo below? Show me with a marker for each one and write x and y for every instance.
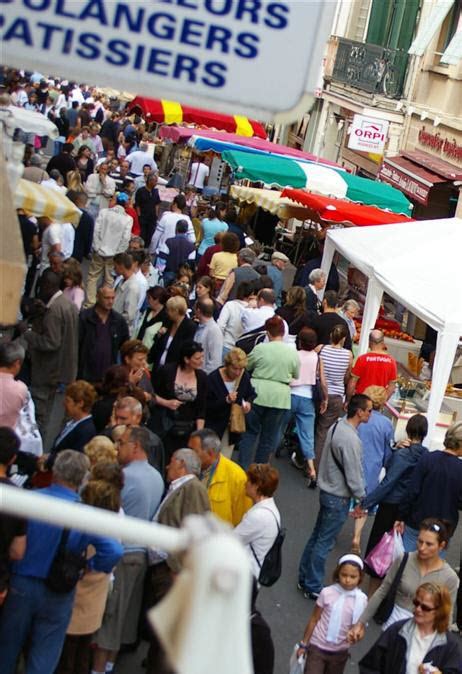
(231, 337)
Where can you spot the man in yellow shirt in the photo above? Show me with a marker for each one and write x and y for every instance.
(224, 480)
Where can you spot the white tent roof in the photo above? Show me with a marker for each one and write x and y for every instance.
(420, 266)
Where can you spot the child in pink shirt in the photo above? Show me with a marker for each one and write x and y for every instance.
(325, 640)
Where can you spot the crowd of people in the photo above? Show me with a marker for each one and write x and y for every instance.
(159, 366)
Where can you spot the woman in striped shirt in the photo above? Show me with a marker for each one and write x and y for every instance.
(337, 362)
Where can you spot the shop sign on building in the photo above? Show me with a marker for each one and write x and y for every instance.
(213, 53)
(368, 134)
(449, 147)
(416, 190)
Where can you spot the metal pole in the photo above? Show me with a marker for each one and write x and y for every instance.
(91, 520)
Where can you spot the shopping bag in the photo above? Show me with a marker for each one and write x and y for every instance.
(297, 665)
(380, 558)
(398, 547)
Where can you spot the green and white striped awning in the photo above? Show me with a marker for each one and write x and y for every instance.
(284, 172)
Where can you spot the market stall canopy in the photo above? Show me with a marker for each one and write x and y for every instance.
(397, 260)
(284, 172)
(45, 202)
(269, 200)
(343, 211)
(171, 112)
(28, 121)
(219, 142)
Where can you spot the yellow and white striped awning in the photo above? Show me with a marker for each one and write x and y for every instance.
(43, 201)
(269, 200)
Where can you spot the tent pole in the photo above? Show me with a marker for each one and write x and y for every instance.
(371, 310)
(446, 347)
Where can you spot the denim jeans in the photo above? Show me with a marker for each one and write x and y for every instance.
(34, 614)
(261, 437)
(333, 513)
(304, 412)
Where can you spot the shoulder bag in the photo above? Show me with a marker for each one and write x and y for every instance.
(385, 608)
(318, 394)
(67, 567)
(271, 567)
(237, 416)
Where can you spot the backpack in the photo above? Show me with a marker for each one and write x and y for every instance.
(67, 567)
(250, 339)
(271, 567)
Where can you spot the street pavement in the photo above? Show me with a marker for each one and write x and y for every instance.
(283, 605)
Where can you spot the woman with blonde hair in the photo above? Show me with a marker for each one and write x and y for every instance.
(100, 449)
(101, 491)
(228, 385)
(179, 329)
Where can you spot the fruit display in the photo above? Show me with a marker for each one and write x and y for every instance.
(392, 333)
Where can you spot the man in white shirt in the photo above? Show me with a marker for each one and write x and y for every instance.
(139, 159)
(166, 227)
(199, 175)
(51, 240)
(128, 292)
(209, 335)
(67, 239)
(111, 236)
(266, 308)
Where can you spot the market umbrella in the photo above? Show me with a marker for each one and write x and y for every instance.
(171, 112)
(269, 200)
(341, 210)
(285, 172)
(45, 201)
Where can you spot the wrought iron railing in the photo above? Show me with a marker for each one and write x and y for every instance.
(371, 68)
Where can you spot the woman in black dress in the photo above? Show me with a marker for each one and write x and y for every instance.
(180, 396)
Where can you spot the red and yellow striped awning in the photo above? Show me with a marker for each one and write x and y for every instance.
(171, 112)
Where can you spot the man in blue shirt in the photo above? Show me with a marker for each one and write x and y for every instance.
(32, 612)
(141, 495)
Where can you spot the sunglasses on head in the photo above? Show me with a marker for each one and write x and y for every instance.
(424, 607)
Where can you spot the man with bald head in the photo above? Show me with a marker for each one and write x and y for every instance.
(209, 335)
(102, 331)
(375, 368)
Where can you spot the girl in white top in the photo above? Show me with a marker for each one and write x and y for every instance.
(260, 525)
(326, 641)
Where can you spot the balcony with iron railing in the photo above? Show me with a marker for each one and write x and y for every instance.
(370, 67)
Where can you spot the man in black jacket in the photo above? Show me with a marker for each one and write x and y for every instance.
(102, 331)
(84, 232)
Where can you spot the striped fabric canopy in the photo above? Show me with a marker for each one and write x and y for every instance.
(171, 112)
(285, 172)
(43, 201)
(343, 211)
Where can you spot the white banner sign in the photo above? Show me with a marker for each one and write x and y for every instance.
(368, 134)
(245, 56)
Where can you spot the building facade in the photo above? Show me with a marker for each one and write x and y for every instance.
(388, 59)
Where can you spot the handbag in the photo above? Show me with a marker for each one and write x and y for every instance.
(271, 567)
(67, 567)
(318, 394)
(385, 608)
(237, 416)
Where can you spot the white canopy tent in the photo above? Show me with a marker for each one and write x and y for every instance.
(419, 264)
